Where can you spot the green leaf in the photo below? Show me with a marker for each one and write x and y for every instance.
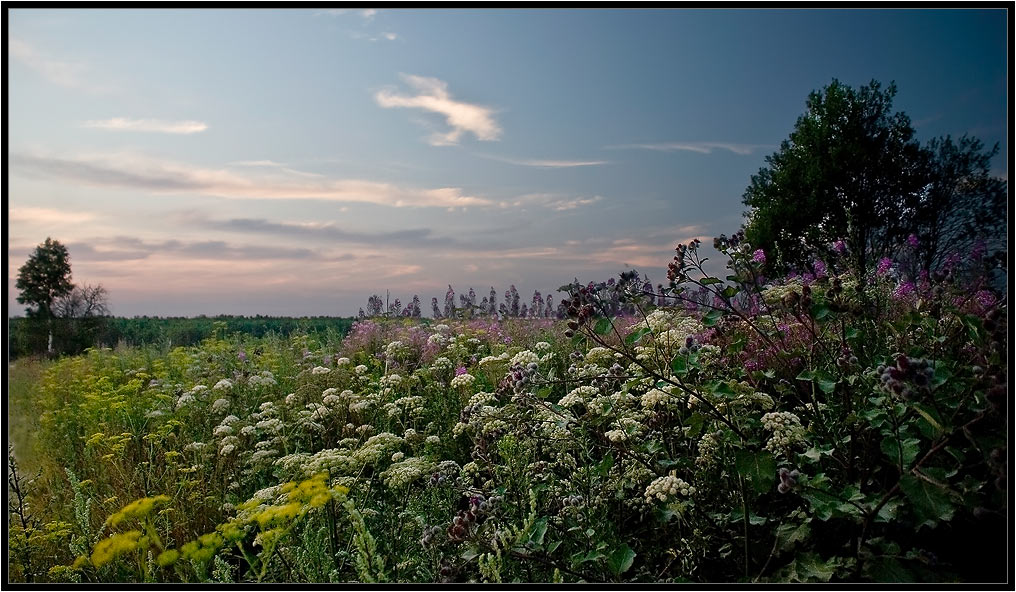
(787, 535)
(809, 567)
(620, 560)
(929, 502)
(537, 531)
(729, 292)
(636, 335)
(896, 450)
(711, 318)
(932, 425)
(602, 326)
(757, 467)
(706, 281)
(887, 569)
(603, 467)
(679, 365)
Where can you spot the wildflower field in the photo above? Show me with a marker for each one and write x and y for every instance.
(829, 426)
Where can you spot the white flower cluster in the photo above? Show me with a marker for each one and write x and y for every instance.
(441, 364)
(184, 400)
(320, 370)
(488, 360)
(220, 406)
(264, 378)
(786, 428)
(390, 381)
(405, 471)
(658, 397)
(542, 347)
(482, 398)
(396, 349)
(376, 447)
(600, 355)
(524, 358)
(437, 339)
(463, 381)
(361, 369)
(578, 396)
(342, 362)
(708, 446)
(667, 488)
(223, 384)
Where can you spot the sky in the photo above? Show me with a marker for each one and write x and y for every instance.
(294, 162)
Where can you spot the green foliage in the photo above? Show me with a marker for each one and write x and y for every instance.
(842, 433)
(45, 277)
(852, 170)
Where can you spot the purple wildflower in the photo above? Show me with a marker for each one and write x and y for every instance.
(884, 265)
(840, 247)
(759, 256)
(460, 371)
(985, 298)
(242, 356)
(905, 289)
(820, 268)
(912, 240)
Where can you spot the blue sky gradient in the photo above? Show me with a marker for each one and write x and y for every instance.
(294, 162)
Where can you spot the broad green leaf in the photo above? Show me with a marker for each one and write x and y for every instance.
(603, 467)
(711, 318)
(901, 452)
(931, 426)
(621, 559)
(929, 502)
(679, 365)
(636, 335)
(810, 567)
(537, 531)
(887, 569)
(788, 534)
(757, 467)
(706, 281)
(602, 326)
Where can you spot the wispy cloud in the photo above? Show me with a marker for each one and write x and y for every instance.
(545, 163)
(432, 95)
(162, 176)
(148, 125)
(274, 165)
(552, 201)
(30, 215)
(65, 73)
(328, 231)
(700, 147)
(366, 14)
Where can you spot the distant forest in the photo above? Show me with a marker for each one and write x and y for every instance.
(71, 336)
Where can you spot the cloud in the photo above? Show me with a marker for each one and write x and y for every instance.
(700, 147)
(30, 215)
(161, 176)
(68, 74)
(126, 248)
(551, 201)
(272, 164)
(409, 238)
(366, 14)
(148, 125)
(547, 164)
(432, 95)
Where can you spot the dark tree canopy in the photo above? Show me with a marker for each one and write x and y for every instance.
(45, 277)
(852, 170)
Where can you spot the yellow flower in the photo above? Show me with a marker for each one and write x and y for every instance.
(108, 549)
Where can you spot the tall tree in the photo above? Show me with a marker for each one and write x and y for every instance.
(45, 277)
(851, 170)
(963, 207)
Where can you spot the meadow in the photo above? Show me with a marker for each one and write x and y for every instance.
(831, 425)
